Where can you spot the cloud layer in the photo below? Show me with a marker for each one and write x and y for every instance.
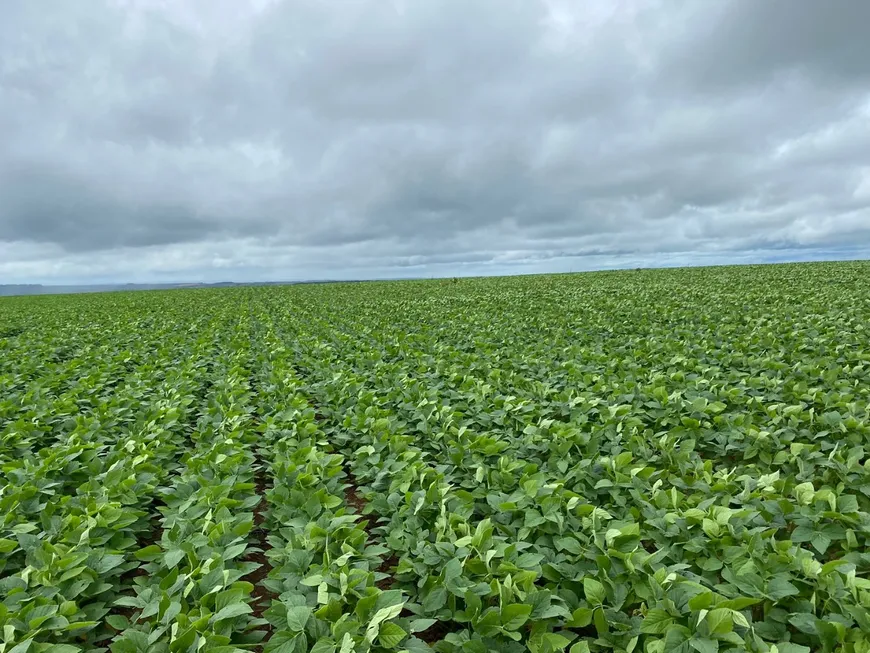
(264, 139)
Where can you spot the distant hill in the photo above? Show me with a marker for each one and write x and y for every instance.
(7, 290)
(39, 289)
(21, 289)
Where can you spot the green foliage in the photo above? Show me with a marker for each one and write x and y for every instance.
(648, 461)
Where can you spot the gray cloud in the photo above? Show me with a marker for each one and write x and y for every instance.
(210, 139)
(749, 43)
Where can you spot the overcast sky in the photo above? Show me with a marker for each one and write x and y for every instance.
(145, 140)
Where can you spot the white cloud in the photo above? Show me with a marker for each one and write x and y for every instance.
(206, 140)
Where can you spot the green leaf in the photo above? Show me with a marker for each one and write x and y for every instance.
(720, 621)
(40, 615)
(324, 645)
(384, 614)
(79, 625)
(847, 504)
(804, 493)
(234, 551)
(173, 557)
(297, 617)
(286, 642)
(831, 633)
(453, 569)
(346, 644)
(528, 560)
(702, 601)
(435, 600)
(555, 642)
(117, 621)
(804, 622)
(820, 542)
(391, 635)
(599, 619)
(172, 611)
(594, 591)
(23, 647)
(149, 553)
(779, 587)
(513, 616)
(790, 647)
(414, 645)
(569, 544)
(580, 618)
(711, 528)
(656, 622)
(107, 562)
(232, 610)
(419, 625)
(703, 645)
(740, 603)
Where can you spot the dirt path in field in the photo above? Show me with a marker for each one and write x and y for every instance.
(261, 596)
(354, 499)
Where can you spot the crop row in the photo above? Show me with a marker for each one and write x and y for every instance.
(74, 511)
(781, 556)
(190, 594)
(325, 568)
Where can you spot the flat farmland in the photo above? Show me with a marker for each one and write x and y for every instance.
(647, 461)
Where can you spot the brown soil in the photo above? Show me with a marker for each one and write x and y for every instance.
(437, 631)
(353, 499)
(261, 597)
(388, 566)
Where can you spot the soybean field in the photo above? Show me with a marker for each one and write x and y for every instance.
(639, 461)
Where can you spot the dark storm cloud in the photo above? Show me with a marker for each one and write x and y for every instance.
(745, 42)
(61, 207)
(268, 138)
